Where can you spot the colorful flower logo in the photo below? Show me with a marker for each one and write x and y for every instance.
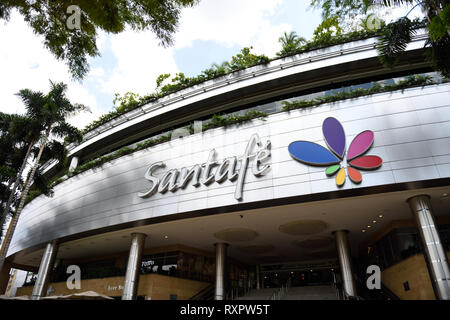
(314, 154)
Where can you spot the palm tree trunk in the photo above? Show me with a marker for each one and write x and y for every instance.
(7, 188)
(15, 219)
(16, 183)
(2, 218)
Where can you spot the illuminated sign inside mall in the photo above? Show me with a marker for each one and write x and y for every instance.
(314, 154)
(230, 168)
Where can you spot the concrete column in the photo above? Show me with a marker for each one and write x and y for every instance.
(434, 252)
(221, 256)
(43, 277)
(133, 267)
(258, 277)
(73, 164)
(345, 262)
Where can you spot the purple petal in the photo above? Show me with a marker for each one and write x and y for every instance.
(334, 136)
(360, 144)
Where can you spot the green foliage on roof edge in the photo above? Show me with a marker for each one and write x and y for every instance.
(243, 60)
(411, 81)
(131, 101)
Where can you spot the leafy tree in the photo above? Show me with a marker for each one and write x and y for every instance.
(51, 111)
(48, 18)
(245, 59)
(396, 35)
(127, 101)
(161, 78)
(327, 29)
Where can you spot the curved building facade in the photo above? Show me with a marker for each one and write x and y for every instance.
(308, 196)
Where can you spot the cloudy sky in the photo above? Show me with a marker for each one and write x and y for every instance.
(211, 32)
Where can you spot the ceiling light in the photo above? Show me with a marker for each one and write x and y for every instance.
(444, 195)
(363, 230)
(369, 227)
(166, 236)
(380, 216)
(374, 221)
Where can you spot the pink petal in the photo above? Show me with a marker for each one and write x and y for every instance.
(360, 144)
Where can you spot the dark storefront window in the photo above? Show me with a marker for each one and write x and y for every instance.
(161, 263)
(196, 267)
(90, 270)
(407, 243)
(402, 243)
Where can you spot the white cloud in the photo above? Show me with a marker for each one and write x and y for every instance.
(232, 22)
(25, 63)
(97, 72)
(140, 60)
(267, 42)
(77, 93)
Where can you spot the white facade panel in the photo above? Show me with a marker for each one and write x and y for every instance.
(412, 136)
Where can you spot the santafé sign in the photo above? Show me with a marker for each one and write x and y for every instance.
(336, 158)
(230, 168)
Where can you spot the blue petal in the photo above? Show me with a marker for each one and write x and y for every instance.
(312, 153)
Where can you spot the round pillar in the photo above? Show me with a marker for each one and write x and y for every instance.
(221, 256)
(345, 262)
(133, 266)
(258, 277)
(43, 277)
(434, 252)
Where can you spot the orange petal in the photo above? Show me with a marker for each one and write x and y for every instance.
(354, 175)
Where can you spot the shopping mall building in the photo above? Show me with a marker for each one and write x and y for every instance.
(307, 198)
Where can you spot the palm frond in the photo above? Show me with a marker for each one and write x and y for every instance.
(393, 40)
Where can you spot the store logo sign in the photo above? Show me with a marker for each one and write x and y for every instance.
(314, 154)
(256, 155)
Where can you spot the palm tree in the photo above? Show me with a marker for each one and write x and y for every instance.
(18, 133)
(51, 111)
(290, 42)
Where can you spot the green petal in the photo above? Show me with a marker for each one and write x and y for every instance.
(332, 170)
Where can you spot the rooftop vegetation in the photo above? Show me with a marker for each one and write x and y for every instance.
(326, 35)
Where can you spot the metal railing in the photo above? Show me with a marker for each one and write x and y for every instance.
(236, 292)
(281, 292)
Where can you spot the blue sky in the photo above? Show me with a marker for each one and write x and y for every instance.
(211, 32)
